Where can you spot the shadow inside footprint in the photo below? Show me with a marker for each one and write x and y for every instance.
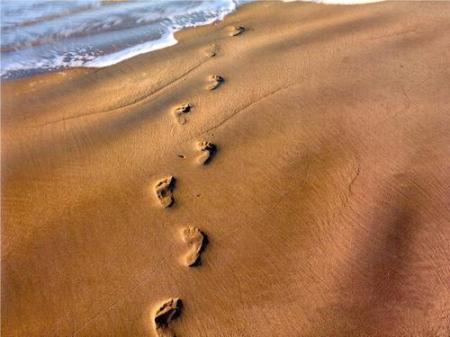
(164, 191)
(214, 81)
(236, 30)
(197, 241)
(198, 261)
(211, 51)
(181, 111)
(208, 151)
(167, 312)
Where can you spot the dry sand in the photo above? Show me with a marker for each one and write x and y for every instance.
(325, 201)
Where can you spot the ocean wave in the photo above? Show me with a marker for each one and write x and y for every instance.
(339, 2)
(43, 35)
(47, 35)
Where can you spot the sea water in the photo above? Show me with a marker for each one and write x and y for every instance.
(44, 35)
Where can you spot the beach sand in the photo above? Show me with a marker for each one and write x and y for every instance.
(307, 194)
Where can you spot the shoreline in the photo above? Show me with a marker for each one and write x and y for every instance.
(87, 54)
(168, 41)
(284, 180)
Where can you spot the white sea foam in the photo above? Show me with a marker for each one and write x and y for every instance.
(166, 40)
(39, 36)
(169, 39)
(338, 2)
(109, 59)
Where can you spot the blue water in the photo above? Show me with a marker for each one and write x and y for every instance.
(45, 35)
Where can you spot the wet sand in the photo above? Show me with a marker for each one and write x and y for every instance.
(286, 179)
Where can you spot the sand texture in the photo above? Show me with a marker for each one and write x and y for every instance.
(310, 143)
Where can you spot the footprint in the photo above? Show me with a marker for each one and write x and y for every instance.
(180, 112)
(167, 312)
(208, 150)
(163, 191)
(211, 51)
(236, 30)
(196, 241)
(214, 81)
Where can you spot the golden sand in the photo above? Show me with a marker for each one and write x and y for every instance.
(326, 203)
